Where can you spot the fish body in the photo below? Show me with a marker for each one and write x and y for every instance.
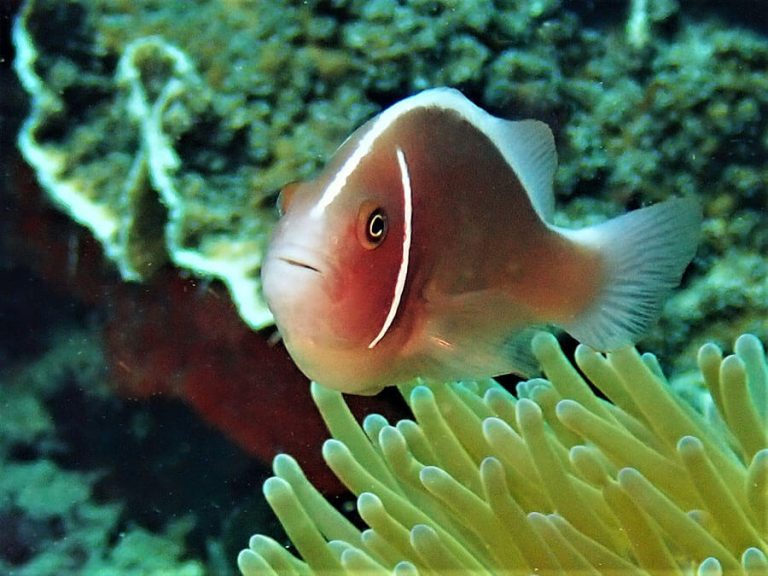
(425, 248)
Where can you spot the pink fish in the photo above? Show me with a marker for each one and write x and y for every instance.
(426, 249)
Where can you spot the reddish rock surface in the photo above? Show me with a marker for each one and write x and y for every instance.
(177, 336)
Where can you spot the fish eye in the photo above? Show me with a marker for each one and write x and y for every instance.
(373, 224)
(377, 226)
(285, 197)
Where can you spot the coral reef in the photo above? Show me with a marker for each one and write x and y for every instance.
(166, 131)
(167, 135)
(52, 521)
(173, 337)
(166, 157)
(690, 118)
(555, 480)
(97, 444)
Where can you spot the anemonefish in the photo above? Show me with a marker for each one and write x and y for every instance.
(426, 248)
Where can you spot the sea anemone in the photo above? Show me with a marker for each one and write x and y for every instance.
(553, 480)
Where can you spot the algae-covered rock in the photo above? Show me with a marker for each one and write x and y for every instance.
(167, 129)
(146, 129)
(54, 519)
(689, 115)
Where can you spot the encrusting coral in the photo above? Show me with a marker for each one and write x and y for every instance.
(654, 480)
(55, 519)
(167, 131)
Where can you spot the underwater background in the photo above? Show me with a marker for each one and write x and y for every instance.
(142, 144)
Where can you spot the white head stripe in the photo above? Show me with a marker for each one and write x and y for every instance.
(403, 271)
(365, 145)
(435, 97)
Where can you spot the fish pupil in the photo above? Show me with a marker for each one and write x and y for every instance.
(377, 226)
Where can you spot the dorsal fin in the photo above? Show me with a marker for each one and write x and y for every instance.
(529, 147)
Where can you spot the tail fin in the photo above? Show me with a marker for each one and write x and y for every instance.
(645, 253)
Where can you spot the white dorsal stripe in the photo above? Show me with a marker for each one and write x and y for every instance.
(364, 147)
(527, 146)
(402, 273)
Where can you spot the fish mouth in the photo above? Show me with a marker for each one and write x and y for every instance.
(299, 264)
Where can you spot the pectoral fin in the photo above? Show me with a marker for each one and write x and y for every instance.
(476, 335)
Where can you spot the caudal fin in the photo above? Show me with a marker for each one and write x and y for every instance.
(645, 253)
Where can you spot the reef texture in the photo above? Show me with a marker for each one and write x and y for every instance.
(53, 524)
(167, 130)
(172, 336)
(554, 480)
